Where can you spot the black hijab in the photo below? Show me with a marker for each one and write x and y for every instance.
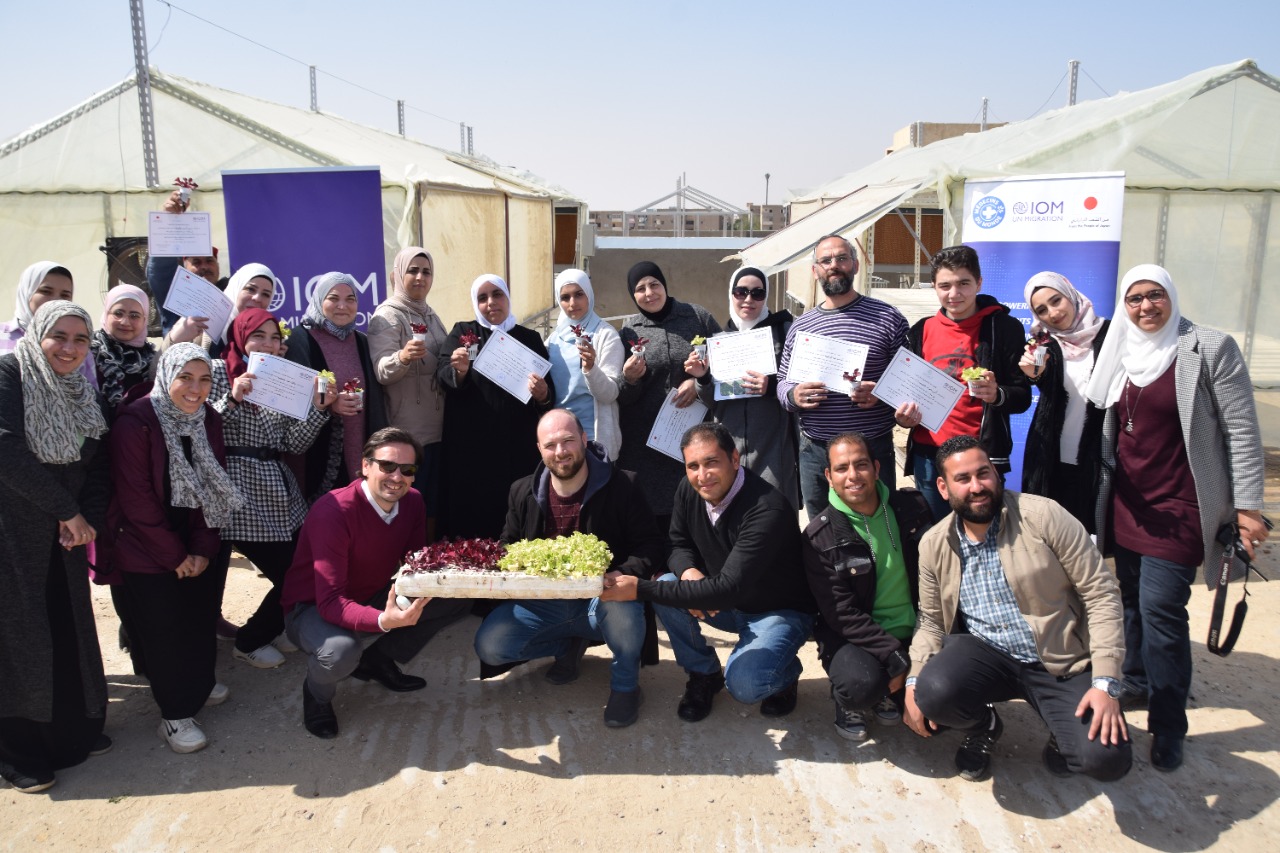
(642, 270)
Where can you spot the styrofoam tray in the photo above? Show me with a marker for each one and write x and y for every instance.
(459, 584)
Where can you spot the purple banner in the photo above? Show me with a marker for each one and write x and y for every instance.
(303, 223)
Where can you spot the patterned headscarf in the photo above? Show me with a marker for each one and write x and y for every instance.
(1077, 341)
(744, 325)
(201, 483)
(508, 323)
(30, 280)
(591, 320)
(245, 324)
(57, 411)
(113, 359)
(315, 308)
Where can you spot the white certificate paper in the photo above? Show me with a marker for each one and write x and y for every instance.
(670, 425)
(179, 235)
(731, 355)
(281, 385)
(911, 379)
(192, 296)
(817, 358)
(507, 363)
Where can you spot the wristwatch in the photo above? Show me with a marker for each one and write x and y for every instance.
(1111, 686)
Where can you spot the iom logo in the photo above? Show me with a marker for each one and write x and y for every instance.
(277, 297)
(988, 212)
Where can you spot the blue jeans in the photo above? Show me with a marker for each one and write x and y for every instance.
(813, 462)
(925, 472)
(1157, 636)
(524, 630)
(764, 660)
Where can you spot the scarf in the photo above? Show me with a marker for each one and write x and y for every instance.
(744, 325)
(58, 412)
(116, 360)
(1129, 352)
(30, 280)
(644, 269)
(414, 310)
(507, 324)
(245, 324)
(315, 314)
(201, 483)
(591, 320)
(1077, 341)
(237, 283)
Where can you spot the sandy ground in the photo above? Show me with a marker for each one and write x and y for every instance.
(518, 764)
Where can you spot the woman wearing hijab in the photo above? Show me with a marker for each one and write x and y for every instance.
(54, 485)
(265, 529)
(668, 328)
(405, 361)
(586, 361)
(1182, 456)
(43, 281)
(1061, 459)
(327, 340)
(491, 435)
(763, 431)
(252, 286)
(122, 356)
(172, 494)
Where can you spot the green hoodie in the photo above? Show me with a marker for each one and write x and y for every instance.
(892, 610)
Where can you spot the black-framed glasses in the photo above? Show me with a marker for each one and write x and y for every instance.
(756, 293)
(386, 466)
(1155, 297)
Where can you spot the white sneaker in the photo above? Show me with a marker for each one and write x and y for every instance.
(219, 694)
(263, 657)
(183, 735)
(284, 644)
(887, 713)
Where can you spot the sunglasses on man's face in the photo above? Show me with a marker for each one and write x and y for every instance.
(386, 467)
(756, 293)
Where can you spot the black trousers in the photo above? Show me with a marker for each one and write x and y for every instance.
(858, 679)
(267, 622)
(174, 621)
(958, 683)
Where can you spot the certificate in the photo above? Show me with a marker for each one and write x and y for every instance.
(281, 385)
(192, 296)
(912, 379)
(817, 358)
(179, 235)
(730, 356)
(670, 425)
(507, 363)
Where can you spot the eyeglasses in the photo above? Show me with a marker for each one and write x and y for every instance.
(387, 467)
(836, 260)
(1155, 297)
(756, 293)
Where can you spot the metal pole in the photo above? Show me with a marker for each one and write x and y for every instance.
(145, 112)
(462, 138)
(1074, 67)
(400, 114)
(984, 115)
(766, 194)
(315, 105)
(471, 150)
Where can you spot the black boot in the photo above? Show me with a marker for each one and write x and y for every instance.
(318, 716)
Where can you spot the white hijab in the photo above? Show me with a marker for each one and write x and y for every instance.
(243, 276)
(590, 321)
(30, 280)
(745, 325)
(508, 323)
(1129, 353)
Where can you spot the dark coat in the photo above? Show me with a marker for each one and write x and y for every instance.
(489, 439)
(842, 575)
(305, 351)
(34, 497)
(613, 510)
(1001, 342)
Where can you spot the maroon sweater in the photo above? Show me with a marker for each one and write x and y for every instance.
(346, 554)
(146, 534)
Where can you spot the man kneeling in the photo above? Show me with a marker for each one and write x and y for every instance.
(1043, 621)
(576, 489)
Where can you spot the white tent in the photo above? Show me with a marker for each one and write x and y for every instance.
(1202, 169)
(68, 185)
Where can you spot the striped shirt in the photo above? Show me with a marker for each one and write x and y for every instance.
(990, 611)
(866, 321)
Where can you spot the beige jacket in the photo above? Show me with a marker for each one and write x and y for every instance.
(1066, 593)
(415, 400)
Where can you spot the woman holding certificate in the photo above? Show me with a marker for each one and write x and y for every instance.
(327, 340)
(586, 361)
(490, 435)
(763, 431)
(658, 340)
(265, 529)
(252, 286)
(1062, 452)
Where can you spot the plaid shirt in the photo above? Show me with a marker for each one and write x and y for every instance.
(274, 507)
(990, 610)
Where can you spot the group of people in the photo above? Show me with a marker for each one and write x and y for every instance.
(144, 466)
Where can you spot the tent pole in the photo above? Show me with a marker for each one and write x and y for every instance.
(1261, 217)
(145, 113)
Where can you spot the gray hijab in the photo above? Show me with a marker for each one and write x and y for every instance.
(315, 313)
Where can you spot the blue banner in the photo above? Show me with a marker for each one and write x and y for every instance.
(303, 223)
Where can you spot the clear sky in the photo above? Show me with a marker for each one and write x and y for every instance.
(615, 100)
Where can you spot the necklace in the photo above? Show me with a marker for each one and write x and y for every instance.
(884, 514)
(1128, 424)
